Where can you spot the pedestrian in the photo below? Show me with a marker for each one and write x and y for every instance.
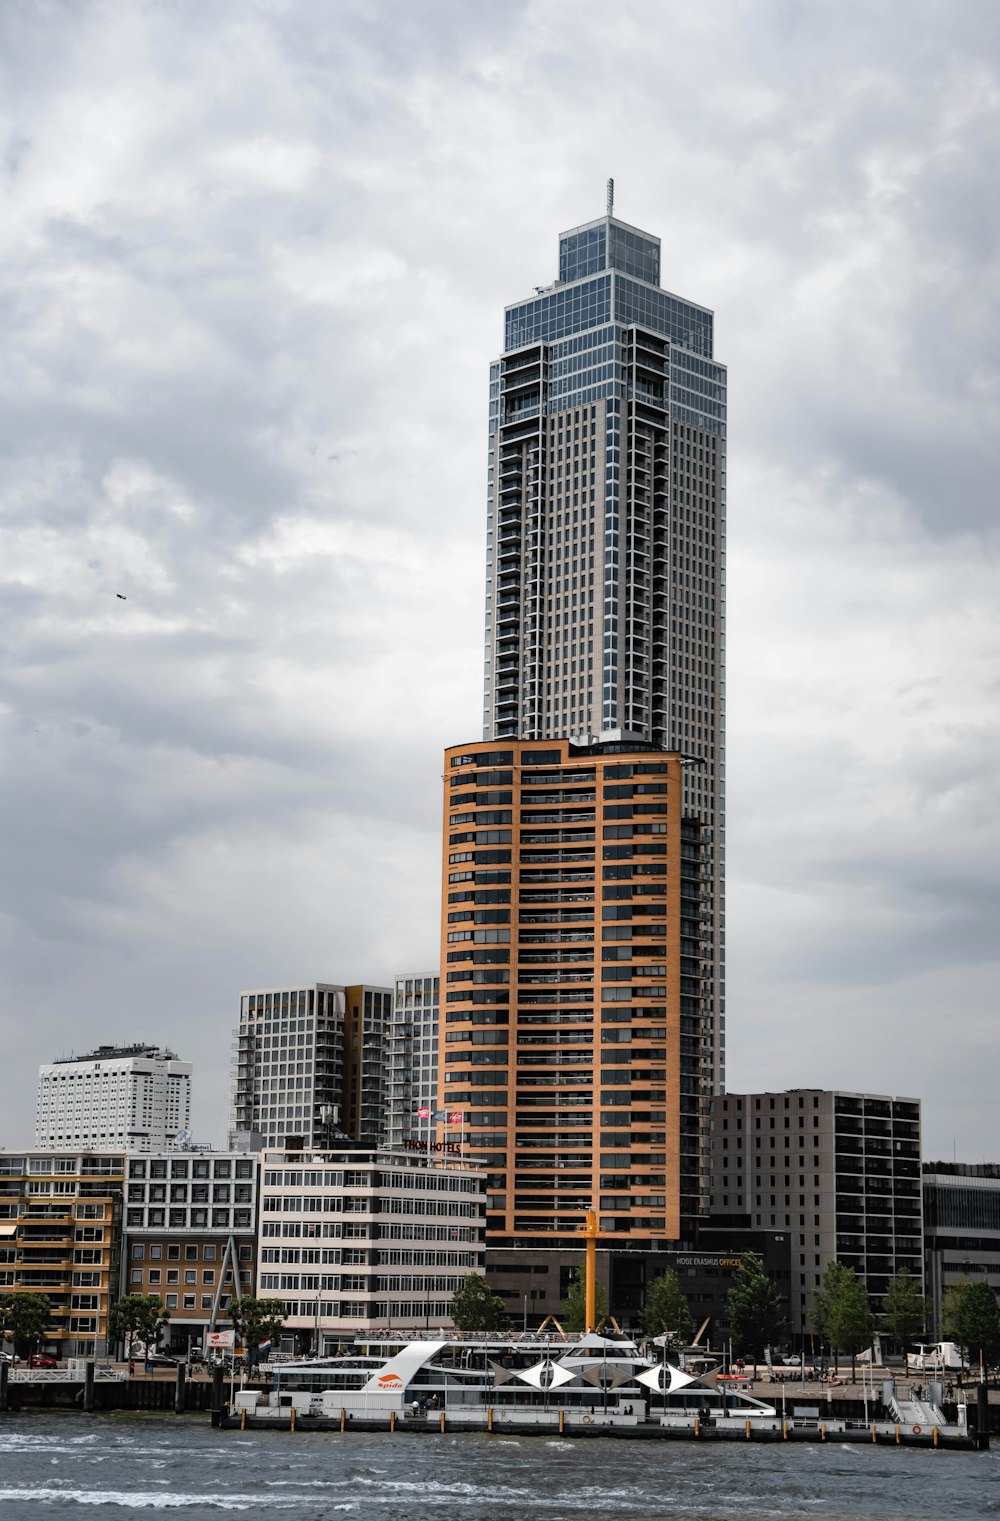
(131, 1367)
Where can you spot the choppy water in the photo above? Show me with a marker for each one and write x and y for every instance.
(51, 1466)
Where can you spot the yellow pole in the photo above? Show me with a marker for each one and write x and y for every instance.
(343, 1418)
(697, 1426)
(243, 1419)
(442, 1420)
(784, 1431)
(489, 1419)
(591, 1275)
(562, 1417)
(935, 1436)
(392, 1420)
(897, 1436)
(293, 1417)
(873, 1433)
(822, 1432)
(748, 1431)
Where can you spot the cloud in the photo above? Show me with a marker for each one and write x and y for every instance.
(252, 268)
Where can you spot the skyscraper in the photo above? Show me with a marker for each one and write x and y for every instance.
(606, 535)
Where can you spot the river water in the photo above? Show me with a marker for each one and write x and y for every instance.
(54, 1465)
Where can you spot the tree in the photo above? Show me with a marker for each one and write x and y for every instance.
(256, 1321)
(24, 1320)
(971, 1317)
(475, 1307)
(841, 1310)
(137, 1317)
(574, 1308)
(903, 1310)
(755, 1308)
(667, 1311)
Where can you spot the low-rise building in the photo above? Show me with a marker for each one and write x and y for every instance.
(961, 1230)
(357, 1240)
(60, 1234)
(190, 1235)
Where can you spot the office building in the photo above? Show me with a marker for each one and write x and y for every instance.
(961, 1230)
(573, 894)
(190, 1235)
(411, 1059)
(135, 1098)
(60, 1235)
(605, 615)
(308, 1064)
(840, 1172)
(357, 1241)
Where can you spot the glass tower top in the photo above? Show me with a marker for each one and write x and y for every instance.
(608, 272)
(607, 244)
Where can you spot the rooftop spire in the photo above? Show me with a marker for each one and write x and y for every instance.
(611, 198)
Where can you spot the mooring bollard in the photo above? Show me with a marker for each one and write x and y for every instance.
(822, 1432)
(218, 1375)
(88, 1388)
(935, 1436)
(442, 1420)
(392, 1420)
(243, 1419)
(748, 1431)
(982, 1417)
(489, 1418)
(784, 1431)
(562, 1421)
(343, 1418)
(874, 1434)
(292, 1426)
(898, 1438)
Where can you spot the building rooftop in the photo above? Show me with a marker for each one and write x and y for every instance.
(116, 1053)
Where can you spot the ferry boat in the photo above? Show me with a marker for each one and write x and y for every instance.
(587, 1380)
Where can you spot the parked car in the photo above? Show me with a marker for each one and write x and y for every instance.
(9, 1357)
(161, 1360)
(42, 1360)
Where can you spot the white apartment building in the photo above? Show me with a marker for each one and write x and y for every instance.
(358, 1241)
(134, 1098)
(411, 1058)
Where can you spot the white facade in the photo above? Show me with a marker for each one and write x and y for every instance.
(366, 1240)
(412, 1058)
(137, 1098)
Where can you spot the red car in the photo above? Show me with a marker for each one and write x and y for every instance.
(42, 1360)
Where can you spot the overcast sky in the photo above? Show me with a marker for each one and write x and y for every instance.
(253, 259)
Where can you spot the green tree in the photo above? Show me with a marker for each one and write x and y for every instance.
(841, 1307)
(667, 1311)
(822, 1306)
(573, 1314)
(903, 1310)
(24, 1320)
(475, 1307)
(137, 1317)
(754, 1306)
(256, 1320)
(971, 1317)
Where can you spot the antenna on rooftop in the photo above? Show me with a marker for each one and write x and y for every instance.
(611, 198)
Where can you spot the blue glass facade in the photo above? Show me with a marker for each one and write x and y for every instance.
(606, 536)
